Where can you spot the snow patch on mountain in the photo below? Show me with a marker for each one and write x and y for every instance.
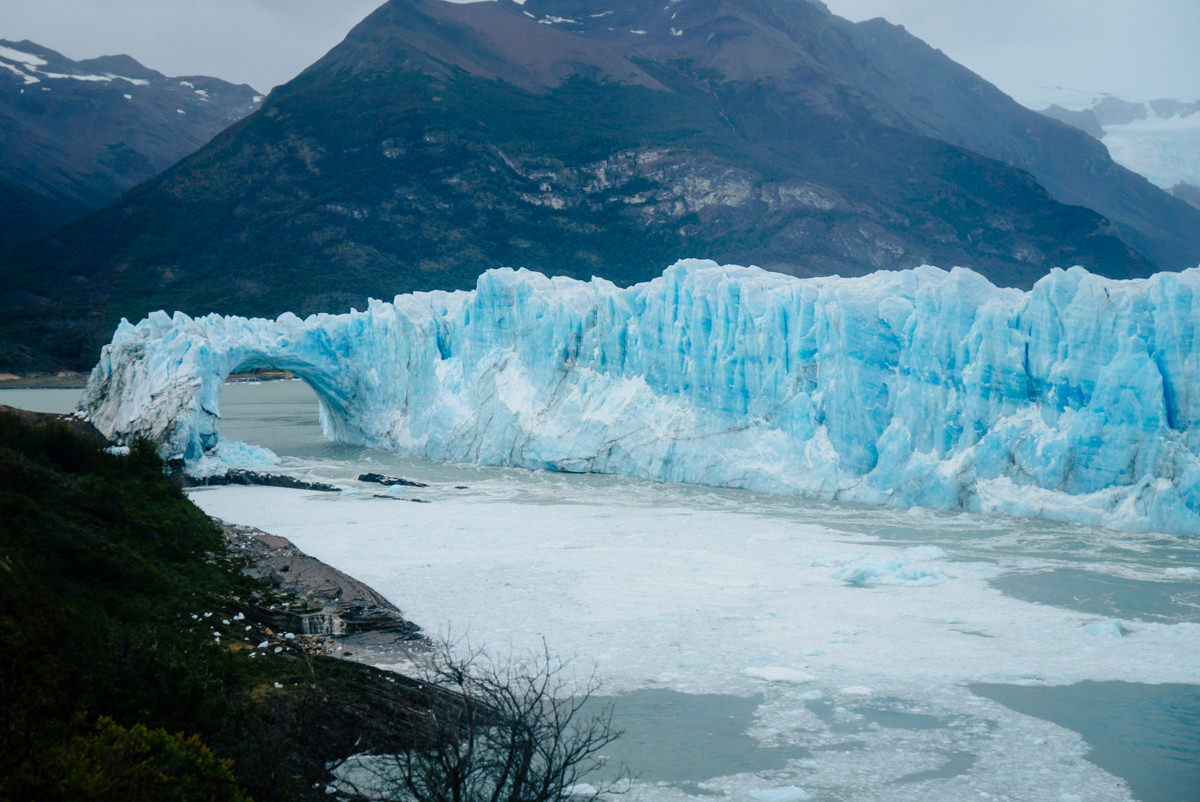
(1078, 400)
(24, 58)
(29, 79)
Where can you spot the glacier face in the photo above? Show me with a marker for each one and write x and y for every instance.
(1078, 400)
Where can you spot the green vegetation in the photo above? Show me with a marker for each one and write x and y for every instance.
(128, 669)
(112, 684)
(137, 764)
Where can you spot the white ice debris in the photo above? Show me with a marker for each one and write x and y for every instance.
(1078, 400)
(794, 676)
(910, 567)
(785, 793)
(226, 454)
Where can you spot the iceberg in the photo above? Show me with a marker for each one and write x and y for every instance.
(1077, 400)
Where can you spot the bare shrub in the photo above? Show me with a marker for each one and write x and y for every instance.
(496, 731)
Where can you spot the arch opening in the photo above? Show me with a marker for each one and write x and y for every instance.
(280, 408)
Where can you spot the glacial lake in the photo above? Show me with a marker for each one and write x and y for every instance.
(768, 648)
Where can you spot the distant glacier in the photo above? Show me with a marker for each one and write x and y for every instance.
(1078, 400)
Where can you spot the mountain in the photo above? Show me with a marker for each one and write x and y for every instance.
(1076, 401)
(581, 137)
(1159, 139)
(74, 135)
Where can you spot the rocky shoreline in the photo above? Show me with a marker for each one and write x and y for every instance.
(321, 610)
(327, 611)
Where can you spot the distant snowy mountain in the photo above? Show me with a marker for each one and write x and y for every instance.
(75, 134)
(1159, 139)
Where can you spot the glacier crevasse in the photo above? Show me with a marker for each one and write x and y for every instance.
(1077, 400)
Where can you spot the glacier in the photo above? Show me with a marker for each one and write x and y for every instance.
(1077, 400)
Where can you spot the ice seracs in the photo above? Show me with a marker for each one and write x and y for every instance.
(1078, 400)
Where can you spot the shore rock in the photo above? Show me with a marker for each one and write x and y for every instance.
(332, 610)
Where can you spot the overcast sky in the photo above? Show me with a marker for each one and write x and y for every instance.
(1138, 49)
(1135, 49)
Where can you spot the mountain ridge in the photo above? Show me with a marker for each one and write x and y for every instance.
(76, 134)
(439, 140)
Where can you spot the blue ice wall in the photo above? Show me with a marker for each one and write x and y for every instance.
(1078, 400)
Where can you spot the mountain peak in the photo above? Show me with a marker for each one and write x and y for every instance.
(608, 138)
(538, 44)
(121, 65)
(78, 133)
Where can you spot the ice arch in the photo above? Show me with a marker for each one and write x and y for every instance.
(170, 394)
(1078, 400)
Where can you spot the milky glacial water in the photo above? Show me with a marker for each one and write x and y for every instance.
(58, 400)
(772, 648)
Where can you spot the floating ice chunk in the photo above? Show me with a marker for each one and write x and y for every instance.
(906, 569)
(782, 674)
(784, 793)
(857, 690)
(229, 454)
(1112, 628)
